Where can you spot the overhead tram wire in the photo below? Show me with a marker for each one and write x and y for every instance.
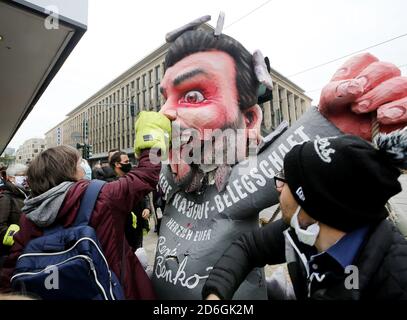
(347, 55)
(247, 14)
(325, 63)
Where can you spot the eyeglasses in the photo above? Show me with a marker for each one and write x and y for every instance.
(279, 180)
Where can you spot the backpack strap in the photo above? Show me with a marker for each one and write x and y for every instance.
(85, 209)
(88, 202)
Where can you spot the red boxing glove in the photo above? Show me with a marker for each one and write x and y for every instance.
(362, 85)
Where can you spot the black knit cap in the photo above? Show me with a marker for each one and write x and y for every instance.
(343, 182)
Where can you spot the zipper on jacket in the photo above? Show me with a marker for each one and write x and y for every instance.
(62, 252)
(303, 259)
(89, 260)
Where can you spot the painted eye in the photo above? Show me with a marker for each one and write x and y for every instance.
(193, 97)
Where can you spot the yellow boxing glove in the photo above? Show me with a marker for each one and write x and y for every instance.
(153, 130)
(8, 237)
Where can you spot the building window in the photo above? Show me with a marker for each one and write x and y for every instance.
(144, 99)
(144, 81)
(157, 94)
(138, 84)
(132, 85)
(150, 96)
(150, 76)
(128, 109)
(157, 73)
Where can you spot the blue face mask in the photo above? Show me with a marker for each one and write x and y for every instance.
(88, 171)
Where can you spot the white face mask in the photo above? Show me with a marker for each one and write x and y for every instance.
(87, 170)
(307, 236)
(21, 181)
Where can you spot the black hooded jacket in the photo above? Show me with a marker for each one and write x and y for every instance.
(11, 202)
(381, 261)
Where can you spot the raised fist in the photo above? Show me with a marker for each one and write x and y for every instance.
(153, 130)
(360, 87)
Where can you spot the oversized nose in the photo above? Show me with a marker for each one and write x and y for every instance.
(169, 112)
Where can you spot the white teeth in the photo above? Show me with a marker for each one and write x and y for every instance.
(208, 167)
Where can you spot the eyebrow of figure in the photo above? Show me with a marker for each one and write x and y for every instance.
(186, 76)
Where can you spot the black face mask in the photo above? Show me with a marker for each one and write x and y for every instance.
(125, 167)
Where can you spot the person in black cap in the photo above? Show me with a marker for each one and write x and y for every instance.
(334, 235)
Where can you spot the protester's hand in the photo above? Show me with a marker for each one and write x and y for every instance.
(212, 296)
(362, 85)
(146, 214)
(153, 130)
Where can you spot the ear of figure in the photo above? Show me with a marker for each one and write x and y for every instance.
(253, 117)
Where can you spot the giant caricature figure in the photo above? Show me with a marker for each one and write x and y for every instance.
(211, 81)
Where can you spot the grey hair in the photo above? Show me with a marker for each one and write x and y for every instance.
(16, 169)
(394, 147)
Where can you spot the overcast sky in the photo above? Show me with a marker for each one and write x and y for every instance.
(294, 34)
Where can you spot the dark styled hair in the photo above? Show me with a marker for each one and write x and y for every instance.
(116, 157)
(112, 151)
(52, 167)
(200, 40)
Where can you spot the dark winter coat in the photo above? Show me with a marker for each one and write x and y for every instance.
(11, 202)
(381, 261)
(115, 201)
(134, 236)
(105, 173)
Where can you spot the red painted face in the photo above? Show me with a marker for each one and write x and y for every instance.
(200, 92)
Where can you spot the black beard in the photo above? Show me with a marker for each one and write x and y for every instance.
(197, 179)
(186, 182)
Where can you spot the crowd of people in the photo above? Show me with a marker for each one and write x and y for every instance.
(333, 186)
(326, 227)
(49, 192)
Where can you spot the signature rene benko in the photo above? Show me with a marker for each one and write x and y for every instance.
(204, 309)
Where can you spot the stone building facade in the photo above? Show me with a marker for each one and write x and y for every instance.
(29, 150)
(106, 120)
